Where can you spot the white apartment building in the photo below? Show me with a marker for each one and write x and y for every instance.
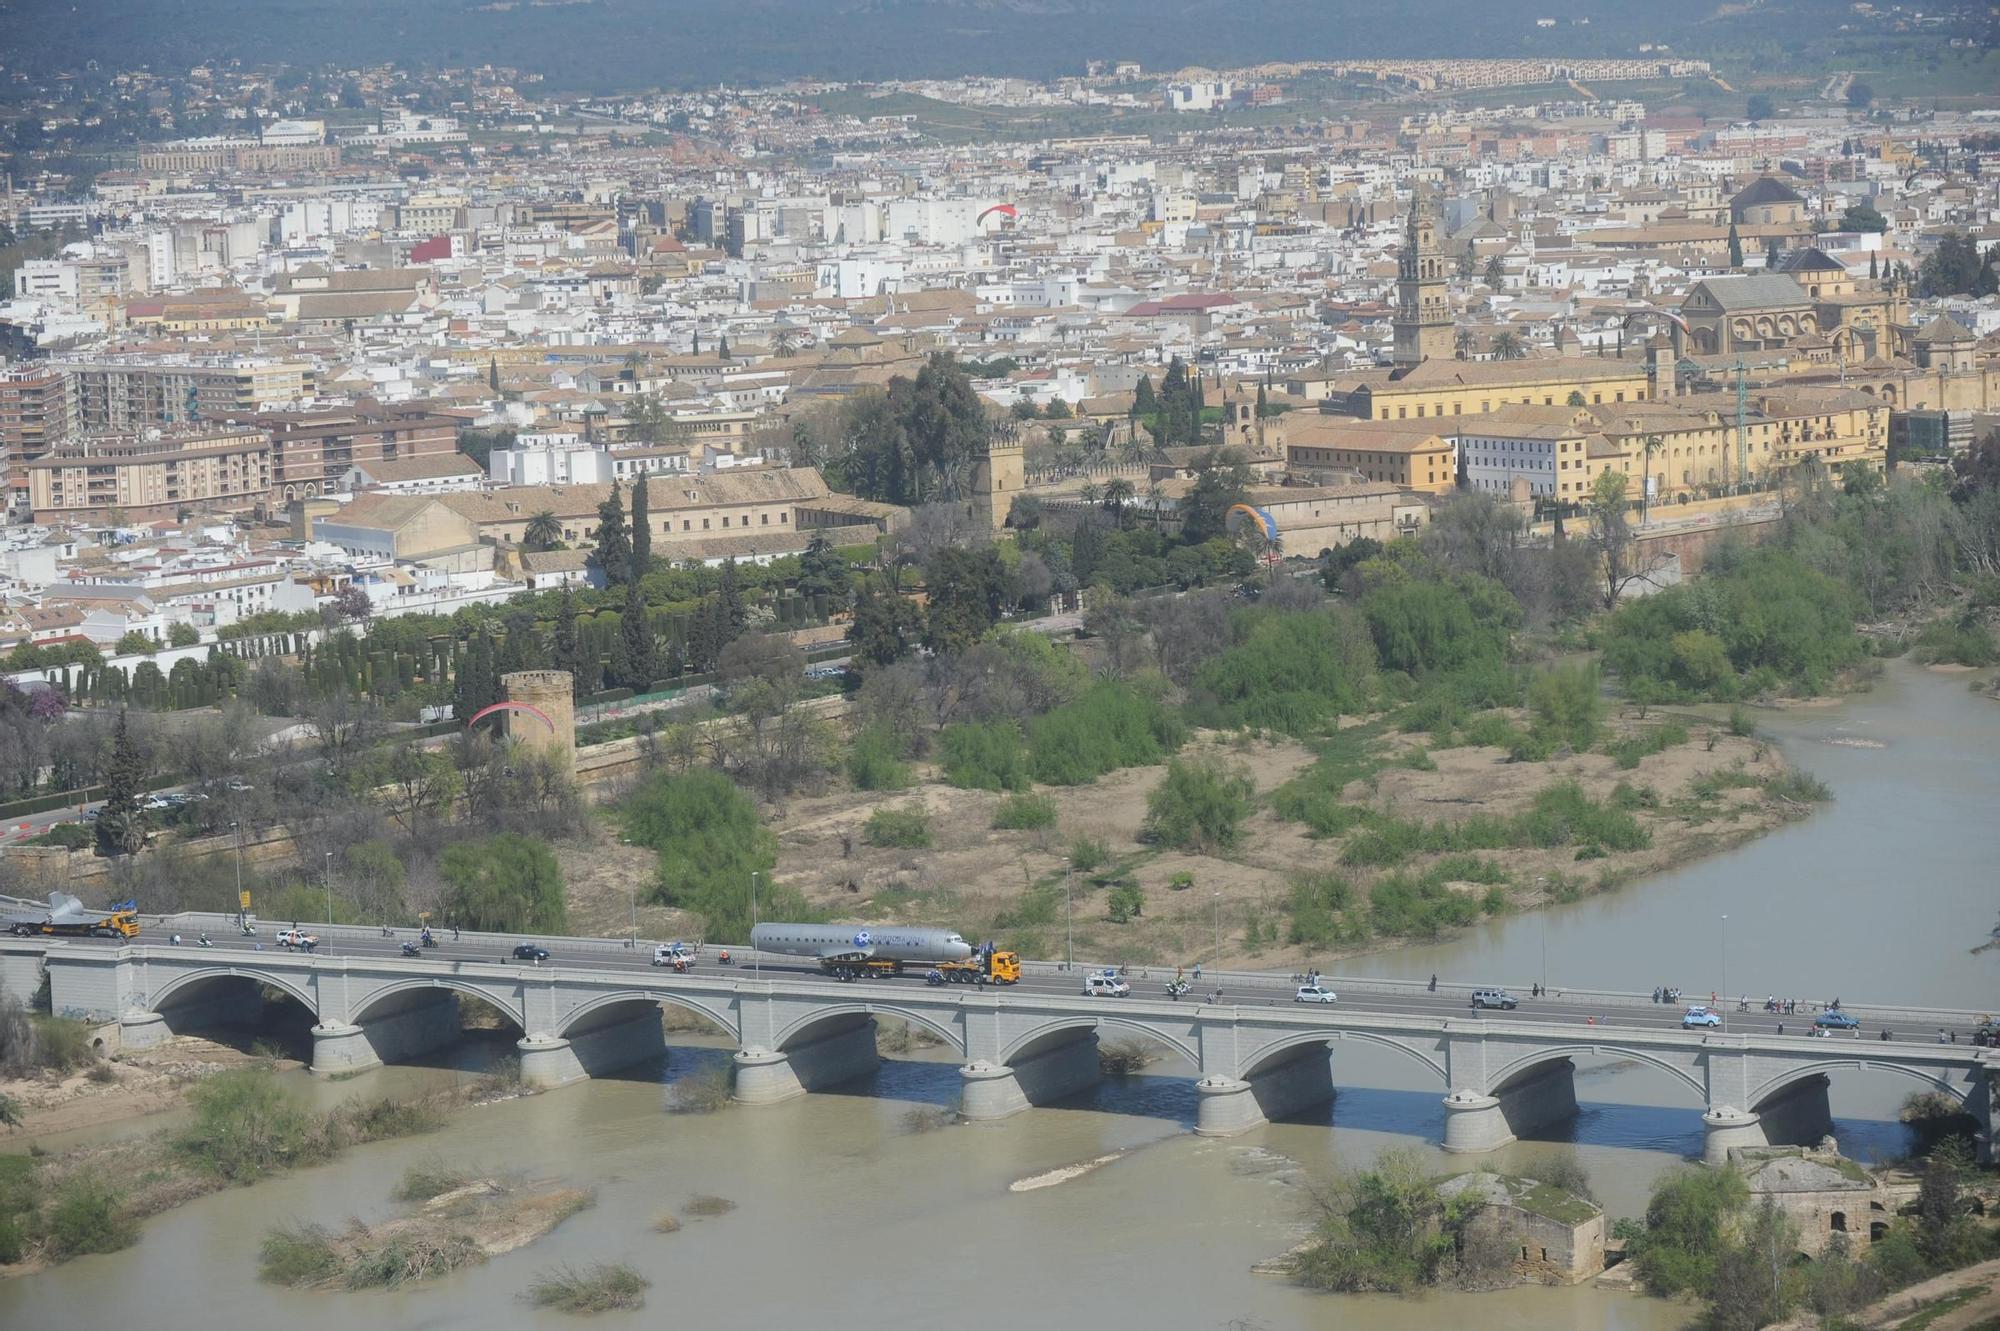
(549, 459)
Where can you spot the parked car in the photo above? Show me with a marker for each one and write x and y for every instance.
(1500, 998)
(530, 952)
(1836, 1020)
(1699, 1016)
(1105, 985)
(1312, 993)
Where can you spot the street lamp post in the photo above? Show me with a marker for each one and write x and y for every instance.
(756, 963)
(326, 885)
(1218, 930)
(1069, 920)
(1724, 1005)
(241, 917)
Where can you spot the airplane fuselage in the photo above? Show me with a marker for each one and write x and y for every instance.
(888, 943)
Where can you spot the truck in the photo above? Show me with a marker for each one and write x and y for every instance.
(984, 966)
(68, 917)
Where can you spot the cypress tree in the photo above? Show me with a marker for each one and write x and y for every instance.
(722, 346)
(635, 642)
(493, 374)
(729, 592)
(565, 641)
(642, 531)
(477, 683)
(1735, 247)
(121, 827)
(614, 546)
(1144, 404)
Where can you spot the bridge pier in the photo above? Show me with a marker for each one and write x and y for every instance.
(1474, 1123)
(843, 1051)
(1530, 1103)
(1226, 1106)
(420, 1021)
(549, 1062)
(142, 1030)
(1053, 1071)
(1725, 1126)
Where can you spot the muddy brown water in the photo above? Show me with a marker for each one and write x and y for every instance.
(846, 1218)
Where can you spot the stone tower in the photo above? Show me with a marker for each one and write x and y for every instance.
(1000, 476)
(1423, 304)
(550, 693)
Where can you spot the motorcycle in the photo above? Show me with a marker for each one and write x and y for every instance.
(203, 942)
(410, 949)
(1177, 988)
(429, 941)
(933, 976)
(722, 958)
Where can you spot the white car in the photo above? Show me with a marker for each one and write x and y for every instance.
(1312, 993)
(1105, 986)
(296, 938)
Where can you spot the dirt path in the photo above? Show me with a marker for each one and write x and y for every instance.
(1907, 1303)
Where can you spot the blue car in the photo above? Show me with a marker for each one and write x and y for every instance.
(1836, 1020)
(1699, 1016)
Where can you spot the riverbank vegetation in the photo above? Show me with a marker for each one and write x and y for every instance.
(602, 1288)
(1395, 1228)
(243, 1127)
(1704, 1237)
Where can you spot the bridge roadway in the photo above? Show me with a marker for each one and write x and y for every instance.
(595, 1006)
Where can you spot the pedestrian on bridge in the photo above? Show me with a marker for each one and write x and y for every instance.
(1434, 982)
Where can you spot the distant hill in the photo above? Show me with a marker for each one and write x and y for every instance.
(627, 44)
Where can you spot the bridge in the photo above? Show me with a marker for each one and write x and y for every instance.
(596, 1007)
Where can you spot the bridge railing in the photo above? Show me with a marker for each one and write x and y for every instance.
(1258, 986)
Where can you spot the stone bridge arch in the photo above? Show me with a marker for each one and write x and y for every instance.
(1526, 1065)
(163, 997)
(590, 1014)
(1775, 1087)
(508, 1005)
(846, 1014)
(1272, 1053)
(1045, 1033)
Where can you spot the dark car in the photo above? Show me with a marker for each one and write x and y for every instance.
(1837, 1020)
(529, 952)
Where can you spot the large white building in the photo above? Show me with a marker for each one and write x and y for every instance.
(549, 459)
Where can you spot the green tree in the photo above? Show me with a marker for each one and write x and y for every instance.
(121, 827)
(1759, 108)
(544, 531)
(134, 643)
(1754, 1281)
(1956, 268)
(823, 572)
(1385, 1229)
(564, 652)
(1862, 217)
(1568, 705)
(476, 682)
(1735, 247)
(1144, 403)
(1496, 272)
(614, 542)
(967, 590)
(183, 635)
(1507, 346)
(1860, 95)
(632, 657)
(1199, 805)
(709, 843)
(642, 531)
(1221, 477)
(493, 374)
(506, 883)
(1687, 1220)
(887, 625)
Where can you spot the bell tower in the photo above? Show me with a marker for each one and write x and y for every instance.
(1423, 303)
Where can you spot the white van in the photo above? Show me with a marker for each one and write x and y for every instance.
(1104, 985)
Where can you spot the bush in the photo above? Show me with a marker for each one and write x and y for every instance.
(62, 1044)
(1087, 853)
(702, 1092)
(706, 1206)
(1018, 813)
(904, 829)
(874, 762)
(1740, 723)
(70, 836)
(506, 883)
(1630, 752)
(1568, 705)
(605, 1287)
(983, 756)
(709, 841)
(420, 1183)
(1200, 805)
(1965, 642)
(299, 1256)
(87, 1215)
(1799, 787)
(1126, 901)
(1293, 673)
(245, 1126)
(1109, 727)
(1490, 730)
(1318, 906)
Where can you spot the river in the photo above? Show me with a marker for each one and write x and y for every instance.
(846, 1218)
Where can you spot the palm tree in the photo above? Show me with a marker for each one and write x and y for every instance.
(1461, 343)
(544, 531)
(1090, 492)
(1507, 346)
(1118, 492)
